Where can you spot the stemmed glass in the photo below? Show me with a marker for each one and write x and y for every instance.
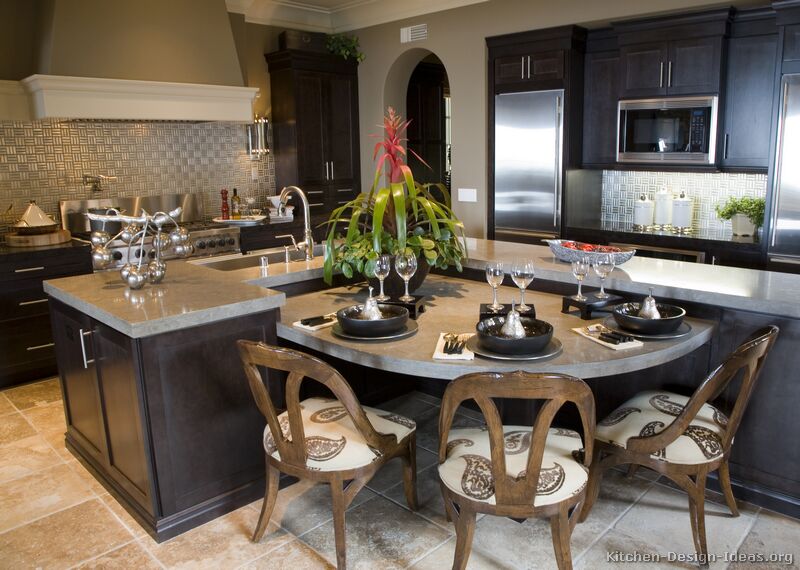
(495, 275)
(522, 274)
(406, 265)
(580, 269)
(603, 266)
(383, 266)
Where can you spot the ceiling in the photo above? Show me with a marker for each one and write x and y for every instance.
(337, 15)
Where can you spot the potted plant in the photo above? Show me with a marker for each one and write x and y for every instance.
(746, 214)
(401, 216)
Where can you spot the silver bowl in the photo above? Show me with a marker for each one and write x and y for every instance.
(563, 253)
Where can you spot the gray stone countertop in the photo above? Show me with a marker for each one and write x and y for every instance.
(453, 307)
(188, 296)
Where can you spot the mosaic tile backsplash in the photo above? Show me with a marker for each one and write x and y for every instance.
(708, 189)
(46, 160)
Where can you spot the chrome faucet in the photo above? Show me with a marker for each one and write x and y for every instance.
(307, 245)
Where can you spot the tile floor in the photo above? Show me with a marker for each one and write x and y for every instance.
(54, 515)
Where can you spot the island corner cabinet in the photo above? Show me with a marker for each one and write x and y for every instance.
(172, 433)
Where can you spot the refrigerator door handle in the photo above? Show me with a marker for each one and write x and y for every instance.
(778, 163)
(557, 178)
(522, 67)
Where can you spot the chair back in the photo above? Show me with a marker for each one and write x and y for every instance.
(554, 389)
(299, 366)
(748, 359)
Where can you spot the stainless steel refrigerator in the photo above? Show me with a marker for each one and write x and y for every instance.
(528, 135)
(784, 239)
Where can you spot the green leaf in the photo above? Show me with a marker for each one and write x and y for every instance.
(427, 205)
(399, 198)
(347, 270)
(430, 254)
(381, 200)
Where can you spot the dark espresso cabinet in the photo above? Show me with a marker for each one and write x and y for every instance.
(601, 92)
(529, 68)
(315, 126)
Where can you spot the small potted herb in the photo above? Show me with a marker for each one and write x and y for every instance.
(746, 214)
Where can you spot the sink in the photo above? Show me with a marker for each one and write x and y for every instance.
(274, 256)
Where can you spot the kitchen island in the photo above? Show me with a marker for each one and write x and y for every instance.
(158, 406)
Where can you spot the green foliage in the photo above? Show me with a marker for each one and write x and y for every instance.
(753, 208)
(345, 46)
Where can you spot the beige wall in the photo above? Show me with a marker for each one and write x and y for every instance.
(457, 37)
(18, 32)
(252, 42)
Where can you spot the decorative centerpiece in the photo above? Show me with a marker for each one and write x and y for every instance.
(746, 214)
(404, 217)
(136, 229)
(570, 250)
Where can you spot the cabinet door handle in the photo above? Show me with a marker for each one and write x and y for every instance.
(332, 175)
(26, 303)
(669, 75)
(522, 67)
(26, 269)
(315, 204)
(661, 75)
(81, 334)
(529, 67)
(327, 176)
(40, 346)
(725, 146)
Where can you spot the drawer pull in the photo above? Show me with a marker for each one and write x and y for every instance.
(40, 346)
(36, 302)
(316, 204)
(26, 269)
(81, 334)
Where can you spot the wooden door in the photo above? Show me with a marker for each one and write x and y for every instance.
(748, 101)
(694, 66)
(311, 128)
(425, 108)
(342, 103)
(643, 69)
(601, 92)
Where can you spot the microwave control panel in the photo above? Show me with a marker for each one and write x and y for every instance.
(698, 130)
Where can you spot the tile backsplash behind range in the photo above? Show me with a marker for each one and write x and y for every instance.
(708, 189)
(45, 161)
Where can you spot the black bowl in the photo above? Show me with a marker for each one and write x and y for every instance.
(394, 319)
(627, 317)
(537, 335)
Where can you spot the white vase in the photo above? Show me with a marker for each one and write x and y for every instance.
(742, 226)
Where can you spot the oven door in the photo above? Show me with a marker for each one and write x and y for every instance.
(674, 131)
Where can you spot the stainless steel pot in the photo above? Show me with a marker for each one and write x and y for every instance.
(111, 228)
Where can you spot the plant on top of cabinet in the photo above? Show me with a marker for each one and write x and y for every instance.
(403, 217)
(345, 46)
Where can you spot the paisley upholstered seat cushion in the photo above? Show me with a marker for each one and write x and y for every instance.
(648, 413)
(468, 467)
(332, 439)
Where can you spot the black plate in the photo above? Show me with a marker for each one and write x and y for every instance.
(553, 348)
(410, 328)
(627, 316)
(538, 334)
(682, 330)
(394, 320)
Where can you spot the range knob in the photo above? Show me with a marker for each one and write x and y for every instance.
(212, 243)
(117, 255)
(137, 253)
(200, 245)
(231, 241)
(151, 254)
(221, 242)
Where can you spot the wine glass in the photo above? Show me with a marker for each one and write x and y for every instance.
(383, 266)
(522, 274)
(406, 265)
(580, 269)
(603, 266)
(495, 275)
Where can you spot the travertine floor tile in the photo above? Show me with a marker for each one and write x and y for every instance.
(25, 456)
(130, 523)
(14, 427)
(5, 405)
(221, 543)
(296, 555)
(47, 418)
(380, 534)
(442, 558)
(56, 441)
(407, 405)
(428, 429)
(81, 471)
(433, 400)
(772, 535)
(132, 556)
(36, 394)
(611, 550)
(429, 497)
(391, 474)
(28, 498)
(304, 505)
(63, 539)
(661, 517)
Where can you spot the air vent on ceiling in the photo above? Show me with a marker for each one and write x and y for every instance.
(414, 33)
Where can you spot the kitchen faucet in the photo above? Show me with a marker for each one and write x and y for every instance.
(307, 245)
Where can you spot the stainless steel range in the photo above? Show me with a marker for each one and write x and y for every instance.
(207, 239)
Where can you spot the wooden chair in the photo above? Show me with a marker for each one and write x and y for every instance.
(683, 438)
(335, 441)
(515, 471)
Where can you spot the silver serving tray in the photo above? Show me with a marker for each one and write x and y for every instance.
(553, 348)
(682, 330)
(409, 329)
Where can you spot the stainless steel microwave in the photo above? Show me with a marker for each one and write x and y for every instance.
(669, 130)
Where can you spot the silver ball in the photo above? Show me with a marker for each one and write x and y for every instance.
(137, 278)
(99, 238)
(183, 250)
(156, 270)
(179, 236)
(161, 241)
(129, 233)
(101, 257)
(124, 272)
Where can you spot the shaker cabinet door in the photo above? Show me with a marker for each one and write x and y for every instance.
(342, 127)
(311, 131)
(694, 66)
(644, 69)
(601, 92)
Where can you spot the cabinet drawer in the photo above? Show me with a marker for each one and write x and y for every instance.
(23, 299)
(26, 340)
(37, 267)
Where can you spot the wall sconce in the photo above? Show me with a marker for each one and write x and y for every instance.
(257, 137)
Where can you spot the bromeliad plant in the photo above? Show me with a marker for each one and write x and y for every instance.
(403, 216)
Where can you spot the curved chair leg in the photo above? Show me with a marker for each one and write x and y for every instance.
(727, 490)
(410, 473)
(465, 530)
(592, 487)
(560, 529)
(339, 506)
(697, 510)
(270, 495)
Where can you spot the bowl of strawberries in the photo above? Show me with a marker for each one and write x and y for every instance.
(571, 250)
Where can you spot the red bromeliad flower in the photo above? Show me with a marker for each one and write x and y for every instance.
(392, 144)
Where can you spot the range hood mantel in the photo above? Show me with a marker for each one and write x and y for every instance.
(63, 97)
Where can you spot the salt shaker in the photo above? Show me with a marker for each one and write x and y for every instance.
(649, 309)
(512, 327)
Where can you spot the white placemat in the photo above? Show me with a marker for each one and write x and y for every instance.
(439, 353)
(593, 331)
(330, 323)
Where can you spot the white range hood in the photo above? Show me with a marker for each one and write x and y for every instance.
(62, 97)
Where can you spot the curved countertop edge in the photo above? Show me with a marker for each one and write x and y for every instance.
(448, 370)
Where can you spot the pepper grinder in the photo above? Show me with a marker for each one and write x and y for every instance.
(225, 210)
